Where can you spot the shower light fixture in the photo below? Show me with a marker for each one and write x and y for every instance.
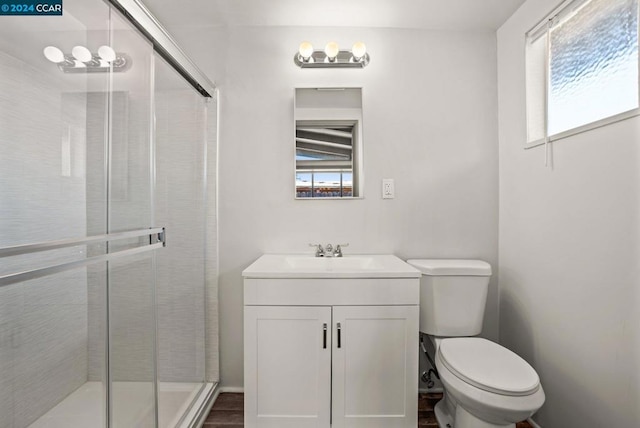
(331, 56)
(81, 60)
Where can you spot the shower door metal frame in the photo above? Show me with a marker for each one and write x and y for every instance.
(164, 44)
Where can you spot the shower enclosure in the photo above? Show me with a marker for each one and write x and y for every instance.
(105, 224)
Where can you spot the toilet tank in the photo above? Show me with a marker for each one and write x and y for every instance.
(453, 296)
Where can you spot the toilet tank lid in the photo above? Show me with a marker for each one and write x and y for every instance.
(450, 267)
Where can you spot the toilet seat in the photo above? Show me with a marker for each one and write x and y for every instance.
(488, 366)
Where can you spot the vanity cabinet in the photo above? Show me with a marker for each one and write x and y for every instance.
(287, 367)
(331, 352)
(375, 367)
(340, 366)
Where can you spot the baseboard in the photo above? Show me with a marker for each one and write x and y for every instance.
(235, 389)
(217, 390)
(533, 424)
(239, 389)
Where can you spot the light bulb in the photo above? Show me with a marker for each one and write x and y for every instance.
(305, 50)
(53, 54)
(358, 50)
(106, 53)
(81, 53)
(332, 49)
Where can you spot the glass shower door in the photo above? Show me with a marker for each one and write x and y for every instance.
(180, 147)
(43, 197)
(97, 328)
(131, 281)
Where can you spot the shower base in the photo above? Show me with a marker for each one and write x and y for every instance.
(84, 408)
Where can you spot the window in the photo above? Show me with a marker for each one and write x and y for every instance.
(325, 153)
(582, 68)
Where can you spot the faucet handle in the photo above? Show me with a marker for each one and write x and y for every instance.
(338, 251)
(319, 249)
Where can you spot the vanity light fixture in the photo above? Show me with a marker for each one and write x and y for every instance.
(331, 56)
(359, 50)
(81, 53)
(331, 50)
(305, 51)
(81, 60)
(53, 54)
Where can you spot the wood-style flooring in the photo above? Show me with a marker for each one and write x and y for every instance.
(228, 412)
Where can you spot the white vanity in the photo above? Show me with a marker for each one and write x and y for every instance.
(331, 342)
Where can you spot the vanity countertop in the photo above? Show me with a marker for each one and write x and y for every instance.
(349, 266)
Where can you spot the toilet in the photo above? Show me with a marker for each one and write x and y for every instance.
(485, 384)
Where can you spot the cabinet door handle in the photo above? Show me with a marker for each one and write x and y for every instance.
(339, 335)
(324, 336)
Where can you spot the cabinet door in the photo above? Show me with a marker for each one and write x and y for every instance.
(287, 370)
(375, 367)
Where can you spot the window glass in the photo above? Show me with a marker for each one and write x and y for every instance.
(324, 184)
(593, 64)
(581, 67)
(304, 185)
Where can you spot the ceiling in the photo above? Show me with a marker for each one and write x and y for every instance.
(417, 14)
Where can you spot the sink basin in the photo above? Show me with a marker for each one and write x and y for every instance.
(351, 266)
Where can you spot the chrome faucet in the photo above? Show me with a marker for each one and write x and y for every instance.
(328, 250)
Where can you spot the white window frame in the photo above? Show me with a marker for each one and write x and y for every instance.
(565, 8)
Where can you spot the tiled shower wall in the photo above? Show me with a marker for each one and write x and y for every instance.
(129, 206)
(180, 202)
(43, 322)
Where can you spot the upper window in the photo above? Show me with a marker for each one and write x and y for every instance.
(582, 68)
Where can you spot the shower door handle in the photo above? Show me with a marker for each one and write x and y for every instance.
(156, 234)
(157, 239)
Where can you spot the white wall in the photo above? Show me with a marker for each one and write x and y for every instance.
(569, 263)
(430, 122)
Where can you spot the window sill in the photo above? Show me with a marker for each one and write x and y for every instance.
(584, 128)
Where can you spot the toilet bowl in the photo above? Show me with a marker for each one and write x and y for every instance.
(485, 384)
(488, 385)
